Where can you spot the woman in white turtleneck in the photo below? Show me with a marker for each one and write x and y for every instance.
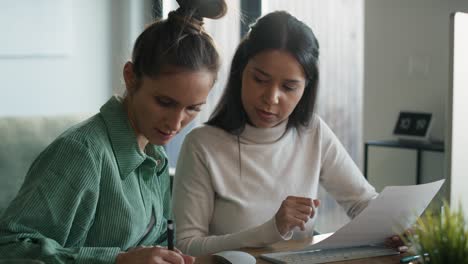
(249, 176)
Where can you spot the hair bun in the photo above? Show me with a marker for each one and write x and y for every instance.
(205, 8)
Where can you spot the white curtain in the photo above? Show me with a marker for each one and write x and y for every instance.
(338, 26)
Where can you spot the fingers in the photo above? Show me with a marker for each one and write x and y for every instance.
(397, 243)
(159, 260)
(294, 212)
(291, 221)
(307, 211)
(188, 259)
(168, 256)
(300, 200)
(291, 212)
(302, 204)
(391, 242)
(317, 203)
(153, 255)
(295, 221)
(176, 257)
(402, 249)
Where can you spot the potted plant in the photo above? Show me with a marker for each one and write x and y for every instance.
(441, 238)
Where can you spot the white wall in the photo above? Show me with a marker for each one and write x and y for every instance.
(458, 128)
(128, 20)
(86, 73)
(406, 68)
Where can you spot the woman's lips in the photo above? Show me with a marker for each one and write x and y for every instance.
(265, 114)
(165, 135)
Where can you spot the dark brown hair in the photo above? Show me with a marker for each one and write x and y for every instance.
(179, 41)
(275, 31)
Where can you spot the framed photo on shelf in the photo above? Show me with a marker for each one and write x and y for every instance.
(413, 126)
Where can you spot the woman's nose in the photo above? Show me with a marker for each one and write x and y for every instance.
(271, 95)
(175, 120)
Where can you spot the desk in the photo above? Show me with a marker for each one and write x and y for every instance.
(298, 244)
(418, 146)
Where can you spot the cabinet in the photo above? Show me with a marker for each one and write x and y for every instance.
(419, 147)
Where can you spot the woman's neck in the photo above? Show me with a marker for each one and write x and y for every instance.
(255, 135)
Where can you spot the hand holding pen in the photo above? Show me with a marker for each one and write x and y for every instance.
(153, 255)
(156, 254)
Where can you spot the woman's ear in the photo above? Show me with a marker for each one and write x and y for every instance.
(129, 77)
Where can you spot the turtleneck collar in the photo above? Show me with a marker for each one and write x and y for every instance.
(255, 135)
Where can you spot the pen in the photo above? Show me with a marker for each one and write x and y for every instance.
(411, 258)
(170, 235)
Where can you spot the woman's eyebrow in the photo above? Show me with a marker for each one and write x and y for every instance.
(175, 102)
(293, 81)
(199, 104)
(268, 75)
(261, 72)
(165, 97)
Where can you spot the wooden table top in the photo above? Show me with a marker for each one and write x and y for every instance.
(297, 244)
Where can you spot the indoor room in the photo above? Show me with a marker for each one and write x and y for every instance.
(390, 79)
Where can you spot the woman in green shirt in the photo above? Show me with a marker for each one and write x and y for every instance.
(100, 193)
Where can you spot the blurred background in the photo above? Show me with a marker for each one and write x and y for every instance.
(378, 57)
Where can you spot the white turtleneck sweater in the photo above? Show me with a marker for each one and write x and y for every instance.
(225, 199)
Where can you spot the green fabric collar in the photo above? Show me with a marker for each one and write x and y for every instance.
(122, 136)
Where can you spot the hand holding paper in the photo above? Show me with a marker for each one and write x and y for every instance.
(392, 212)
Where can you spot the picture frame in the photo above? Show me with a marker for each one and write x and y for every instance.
(413, 126)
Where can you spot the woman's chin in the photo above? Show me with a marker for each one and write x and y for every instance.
(160, 141)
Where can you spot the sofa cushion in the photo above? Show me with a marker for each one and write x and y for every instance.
(21, 141)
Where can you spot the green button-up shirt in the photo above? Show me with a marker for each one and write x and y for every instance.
(90, 195)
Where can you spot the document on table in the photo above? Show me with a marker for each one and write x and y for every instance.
(394, 210)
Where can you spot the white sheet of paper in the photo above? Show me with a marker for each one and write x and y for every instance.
(394, 210)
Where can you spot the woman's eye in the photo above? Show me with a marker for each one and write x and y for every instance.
(163, 102)
(194, 108)
(259, 80)
(289, 88)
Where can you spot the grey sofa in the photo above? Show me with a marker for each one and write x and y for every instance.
(21, 140)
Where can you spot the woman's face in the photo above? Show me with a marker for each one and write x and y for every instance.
(160, 107)
(273, 82)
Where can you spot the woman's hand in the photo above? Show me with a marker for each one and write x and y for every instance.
(397, 243)
(153, 255)
(295, 211)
